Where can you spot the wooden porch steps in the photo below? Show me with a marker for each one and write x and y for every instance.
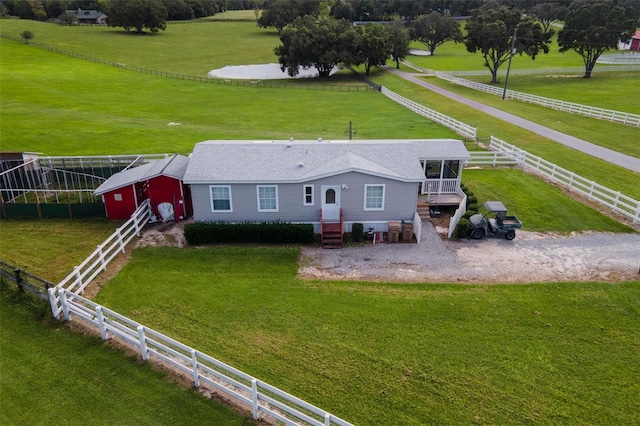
(331, 233)
(423, 211)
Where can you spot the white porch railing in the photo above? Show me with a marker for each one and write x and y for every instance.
(455, 125)
(260, 398)
(615, 200)
(589, 111)
(440, 186)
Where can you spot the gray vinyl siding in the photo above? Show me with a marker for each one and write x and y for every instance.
(399, 204)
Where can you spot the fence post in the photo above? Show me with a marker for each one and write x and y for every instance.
(135, 225)
(103, 329)
(78, 280)
(63, 302)
(18, 279)
(103, 265)
(254, 398)
(194, 363)
(143, 343)
(52, 302)
(327, 419)
(120, 240)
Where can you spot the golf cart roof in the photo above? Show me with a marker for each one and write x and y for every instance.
(495, 206)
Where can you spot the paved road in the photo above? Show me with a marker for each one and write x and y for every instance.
(613, 157)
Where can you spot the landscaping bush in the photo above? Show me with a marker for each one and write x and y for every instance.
(471, 199)
(469, 213)
(462, 229)
(357, 232)
(248, 232)
(473, 207)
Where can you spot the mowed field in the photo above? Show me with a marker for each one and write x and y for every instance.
(373, 353)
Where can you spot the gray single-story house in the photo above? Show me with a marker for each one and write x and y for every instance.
(351, 181)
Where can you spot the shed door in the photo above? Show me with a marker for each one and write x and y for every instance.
(330, 202)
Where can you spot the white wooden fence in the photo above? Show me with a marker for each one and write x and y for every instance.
(455, 125)
(550, 71)
(589, 111)
(614, 200)
(417, 227)
(460, 211)
(494, 158)
(262, 399)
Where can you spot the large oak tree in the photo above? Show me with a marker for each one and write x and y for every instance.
(490, 31)
(322, 43)
(591, 28)
(435, 29)
(138, 14)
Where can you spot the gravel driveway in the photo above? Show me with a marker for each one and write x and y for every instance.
(531, 257)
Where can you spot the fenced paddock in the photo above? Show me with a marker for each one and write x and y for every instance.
(258, 397)
(570, 107)
(507, 154)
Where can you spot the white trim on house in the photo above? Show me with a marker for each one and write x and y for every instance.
(370, 197)
(213, 209)
(305, 195)
(260, 199)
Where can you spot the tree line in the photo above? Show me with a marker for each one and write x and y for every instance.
(316, 34)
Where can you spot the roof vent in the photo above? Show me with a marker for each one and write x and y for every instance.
(300, 165)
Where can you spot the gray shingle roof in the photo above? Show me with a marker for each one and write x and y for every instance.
(173, 166)
(300, 161)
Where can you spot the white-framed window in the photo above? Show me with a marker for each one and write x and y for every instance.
(307, 195)
(117, 197)
(374, 197)
(221, 198)
(267, 198)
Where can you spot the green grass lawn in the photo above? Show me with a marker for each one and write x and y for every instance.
(595, 91)
(51, 375)
(541, 207)
(398, 353)
(45, 109)
(50, 249)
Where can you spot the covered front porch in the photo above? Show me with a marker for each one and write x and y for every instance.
(441, 186)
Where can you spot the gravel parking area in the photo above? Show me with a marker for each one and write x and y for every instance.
(531, 257)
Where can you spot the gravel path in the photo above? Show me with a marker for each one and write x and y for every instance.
(531, 257)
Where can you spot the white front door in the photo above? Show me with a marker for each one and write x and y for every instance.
(330, 202)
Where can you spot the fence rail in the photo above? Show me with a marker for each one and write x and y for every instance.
(614, 200)
(494, 158)
(460, 211)
(457, 126)
(259, 397)
(552, 71)
(585, 110)
(25, 281)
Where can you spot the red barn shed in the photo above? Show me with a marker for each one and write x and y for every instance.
(160, 182)
(635, 42)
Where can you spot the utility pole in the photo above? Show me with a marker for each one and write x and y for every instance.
(513, 50)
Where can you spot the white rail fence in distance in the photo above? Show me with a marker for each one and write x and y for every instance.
(455, 125)
(614, 200)
(585, 110)
(260, 398)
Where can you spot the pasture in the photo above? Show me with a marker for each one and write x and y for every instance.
(381, 353)
(51, 375)
(372, 353)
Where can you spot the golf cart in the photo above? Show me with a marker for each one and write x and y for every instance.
(493, 221)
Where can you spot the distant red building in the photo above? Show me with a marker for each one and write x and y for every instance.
(160, 182)
(635, 42)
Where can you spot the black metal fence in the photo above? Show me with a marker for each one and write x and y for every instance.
(25, 281)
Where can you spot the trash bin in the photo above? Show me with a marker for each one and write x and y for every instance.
(394, 231)
(407, 231)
